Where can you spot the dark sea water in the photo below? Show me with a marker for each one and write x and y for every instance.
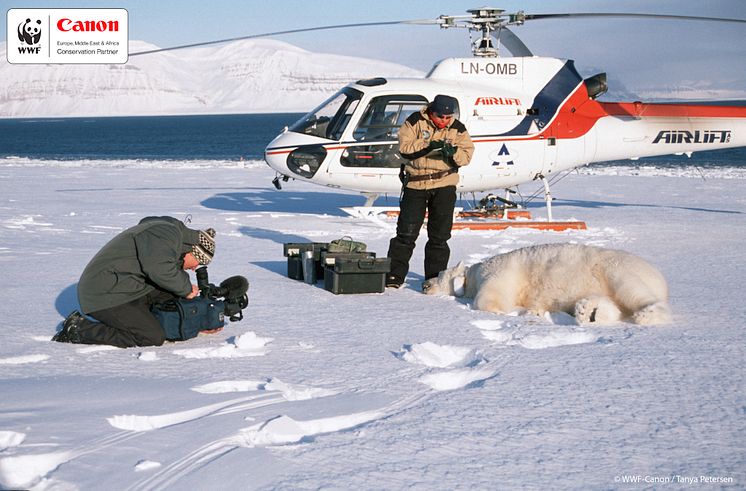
(212, 137)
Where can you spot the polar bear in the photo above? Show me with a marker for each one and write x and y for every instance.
(592, 283)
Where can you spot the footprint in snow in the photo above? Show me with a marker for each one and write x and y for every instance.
(10, 439)
(248, 344)
(280, 430)
(465, 365)
(284, 430)
(25, 471)
(21, 360)
(438, 356)
(494, 330)
(96, 349)
(291, 392)
(560, 337)
(25, 221)
(456, 379)
(146, 465)
(268, 392)
(510, 334)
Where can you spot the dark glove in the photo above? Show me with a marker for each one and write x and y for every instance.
(448, 151)
(435, 145)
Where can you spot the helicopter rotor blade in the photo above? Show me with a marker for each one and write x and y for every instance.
(293, 31)
(629, 15)
(513, 43)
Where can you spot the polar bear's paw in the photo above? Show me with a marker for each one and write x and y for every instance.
(655, 313)
(585, 310)
(601, 310)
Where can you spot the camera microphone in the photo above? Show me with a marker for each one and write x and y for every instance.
(232, 290)
(234, 287)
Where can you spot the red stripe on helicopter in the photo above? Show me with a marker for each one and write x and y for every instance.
(288, 150)
(573, 119)
(638, 109)
(578, 115)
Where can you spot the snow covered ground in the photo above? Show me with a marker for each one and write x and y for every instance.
(380, 391)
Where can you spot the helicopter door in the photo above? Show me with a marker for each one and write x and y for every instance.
(377, 133)
(550, 156)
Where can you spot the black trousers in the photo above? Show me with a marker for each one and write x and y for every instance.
(126, 325)
(439, 205)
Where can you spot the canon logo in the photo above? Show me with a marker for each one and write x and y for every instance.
(67, 25)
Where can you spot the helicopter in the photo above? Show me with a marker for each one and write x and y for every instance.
(530, 118)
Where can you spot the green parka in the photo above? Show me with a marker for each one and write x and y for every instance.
(135, 262)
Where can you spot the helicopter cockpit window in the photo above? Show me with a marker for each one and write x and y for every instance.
(378, 132)
(384, 115)
(331, 118)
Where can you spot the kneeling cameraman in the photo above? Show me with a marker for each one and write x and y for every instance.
(141, 267)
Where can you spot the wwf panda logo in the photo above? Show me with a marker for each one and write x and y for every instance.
(29, 32)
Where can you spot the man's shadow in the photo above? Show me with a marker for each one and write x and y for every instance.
(67, 300)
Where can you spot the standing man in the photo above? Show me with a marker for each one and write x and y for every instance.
(142, 266)
(436, 145)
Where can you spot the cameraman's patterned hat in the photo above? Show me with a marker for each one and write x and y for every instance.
(205, 249)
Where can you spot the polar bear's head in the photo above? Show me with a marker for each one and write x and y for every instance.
(449, 282)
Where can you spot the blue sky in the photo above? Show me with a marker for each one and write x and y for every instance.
(630, 50)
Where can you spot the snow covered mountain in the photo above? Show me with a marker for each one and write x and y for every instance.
(240, 77)
(250, 76)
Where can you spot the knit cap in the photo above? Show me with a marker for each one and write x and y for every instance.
(204, 250)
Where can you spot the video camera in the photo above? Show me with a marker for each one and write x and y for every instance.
(232, 291)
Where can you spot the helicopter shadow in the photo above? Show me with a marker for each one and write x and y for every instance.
(272, 235)
(606, 204)
(263, 200)
(278, 267)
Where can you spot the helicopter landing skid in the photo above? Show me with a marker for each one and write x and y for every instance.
(385, 217)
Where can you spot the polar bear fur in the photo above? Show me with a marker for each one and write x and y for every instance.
(593, 284)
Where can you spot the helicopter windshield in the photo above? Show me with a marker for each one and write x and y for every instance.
(330, 119)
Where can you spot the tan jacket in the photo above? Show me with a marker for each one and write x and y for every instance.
(414, 137)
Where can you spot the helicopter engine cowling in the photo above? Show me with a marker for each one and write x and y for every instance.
(596, 85)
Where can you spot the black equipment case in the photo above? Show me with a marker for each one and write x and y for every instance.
(294, 252)
(329, 258)
(356, 274)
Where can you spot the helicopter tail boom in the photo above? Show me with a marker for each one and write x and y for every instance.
(661, 129)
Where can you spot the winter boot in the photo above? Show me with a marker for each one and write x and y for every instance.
(70, 329)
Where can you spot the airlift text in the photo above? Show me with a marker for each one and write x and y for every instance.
(696, 136)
